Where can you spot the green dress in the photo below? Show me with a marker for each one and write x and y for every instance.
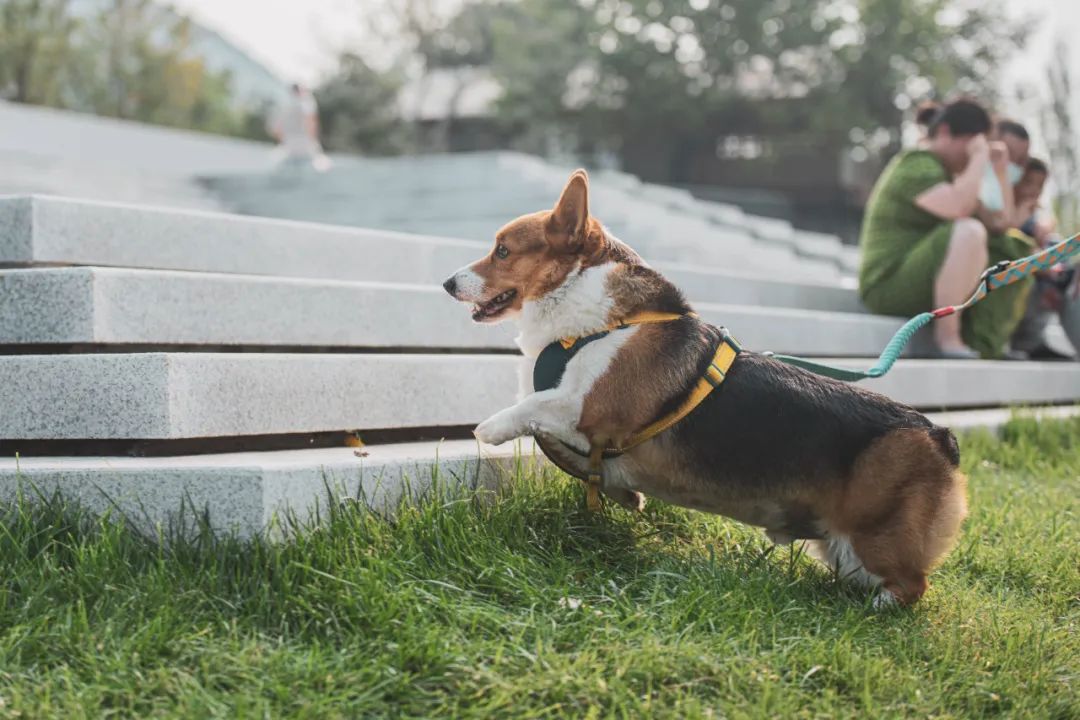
(903, 247)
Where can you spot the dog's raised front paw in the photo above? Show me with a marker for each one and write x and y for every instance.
(497, 429)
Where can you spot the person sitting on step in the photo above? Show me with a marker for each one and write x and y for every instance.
(923, 249)
(1056, 290)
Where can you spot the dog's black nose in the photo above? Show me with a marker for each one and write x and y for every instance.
(450, 285)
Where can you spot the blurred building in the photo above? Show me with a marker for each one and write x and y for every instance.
(254, 85)
(453, 107)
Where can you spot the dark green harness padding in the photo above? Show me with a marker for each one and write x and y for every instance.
(553, 359)
(547, 374)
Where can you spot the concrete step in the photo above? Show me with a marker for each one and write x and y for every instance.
(108, 143)
(252, 492)
(470, 194)
(804, 290)
(194, 395)
(111, 306)
(656, 234)
(255, 492)
(45, 230)
(151, 307)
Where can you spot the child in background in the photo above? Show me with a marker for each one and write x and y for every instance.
(1026, 194)
(1055, 290)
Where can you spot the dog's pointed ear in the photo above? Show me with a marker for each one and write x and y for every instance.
(571, 214)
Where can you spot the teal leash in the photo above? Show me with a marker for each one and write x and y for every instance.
(1000, 275)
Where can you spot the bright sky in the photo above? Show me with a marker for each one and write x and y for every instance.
(299, 39)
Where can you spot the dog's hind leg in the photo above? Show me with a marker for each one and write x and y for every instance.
(837, 553)
(902, 510)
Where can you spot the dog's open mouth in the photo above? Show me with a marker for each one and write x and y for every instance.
(493, 307)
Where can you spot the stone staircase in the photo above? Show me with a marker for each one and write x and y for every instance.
(155, 358)
(160, 358)
(57, 152)
(470, 195)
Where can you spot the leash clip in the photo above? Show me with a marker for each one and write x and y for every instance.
(993, 270)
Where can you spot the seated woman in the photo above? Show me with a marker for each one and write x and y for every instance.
(921, 247)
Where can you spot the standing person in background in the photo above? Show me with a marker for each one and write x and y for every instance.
(295, 125)
(921, 247)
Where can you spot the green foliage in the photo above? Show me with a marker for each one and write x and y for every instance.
(36, 52)
(524, 605)
(358, 110)
(132, 60)
(1060, 131)
(641, 71)
(899, 52)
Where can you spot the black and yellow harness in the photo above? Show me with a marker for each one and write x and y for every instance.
(551, 364)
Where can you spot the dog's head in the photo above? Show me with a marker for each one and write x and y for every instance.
(532, 256)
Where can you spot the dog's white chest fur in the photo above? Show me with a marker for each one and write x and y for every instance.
(579, 307)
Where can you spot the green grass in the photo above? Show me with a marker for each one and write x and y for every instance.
(528, 606)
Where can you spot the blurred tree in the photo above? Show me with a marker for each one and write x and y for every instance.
(545, 100)
(133, 60)
(358, 109)
(431, 33)
(1060, 132)
(432, 43)
(649, 73)
(137, 63)
(893, 53)
(35, 50)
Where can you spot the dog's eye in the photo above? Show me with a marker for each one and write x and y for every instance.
(502, 252)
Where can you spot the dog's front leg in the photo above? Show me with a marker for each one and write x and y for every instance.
(549, 411)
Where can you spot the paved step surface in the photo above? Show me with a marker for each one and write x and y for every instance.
(109, 143)
(252, 492)
(193, 395)
(116, 306)
(51, 151)
(44, 230)
(52, 230)
(471, 194)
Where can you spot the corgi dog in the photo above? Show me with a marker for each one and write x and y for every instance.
(871, 484)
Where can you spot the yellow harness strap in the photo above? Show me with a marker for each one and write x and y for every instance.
(642, 318)
(596, 478)
(715, 374)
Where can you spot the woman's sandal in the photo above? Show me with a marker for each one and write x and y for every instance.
(957, 354)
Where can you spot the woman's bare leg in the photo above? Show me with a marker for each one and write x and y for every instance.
(965, 261)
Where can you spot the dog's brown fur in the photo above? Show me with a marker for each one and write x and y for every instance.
(847, 463)
(902, 508)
